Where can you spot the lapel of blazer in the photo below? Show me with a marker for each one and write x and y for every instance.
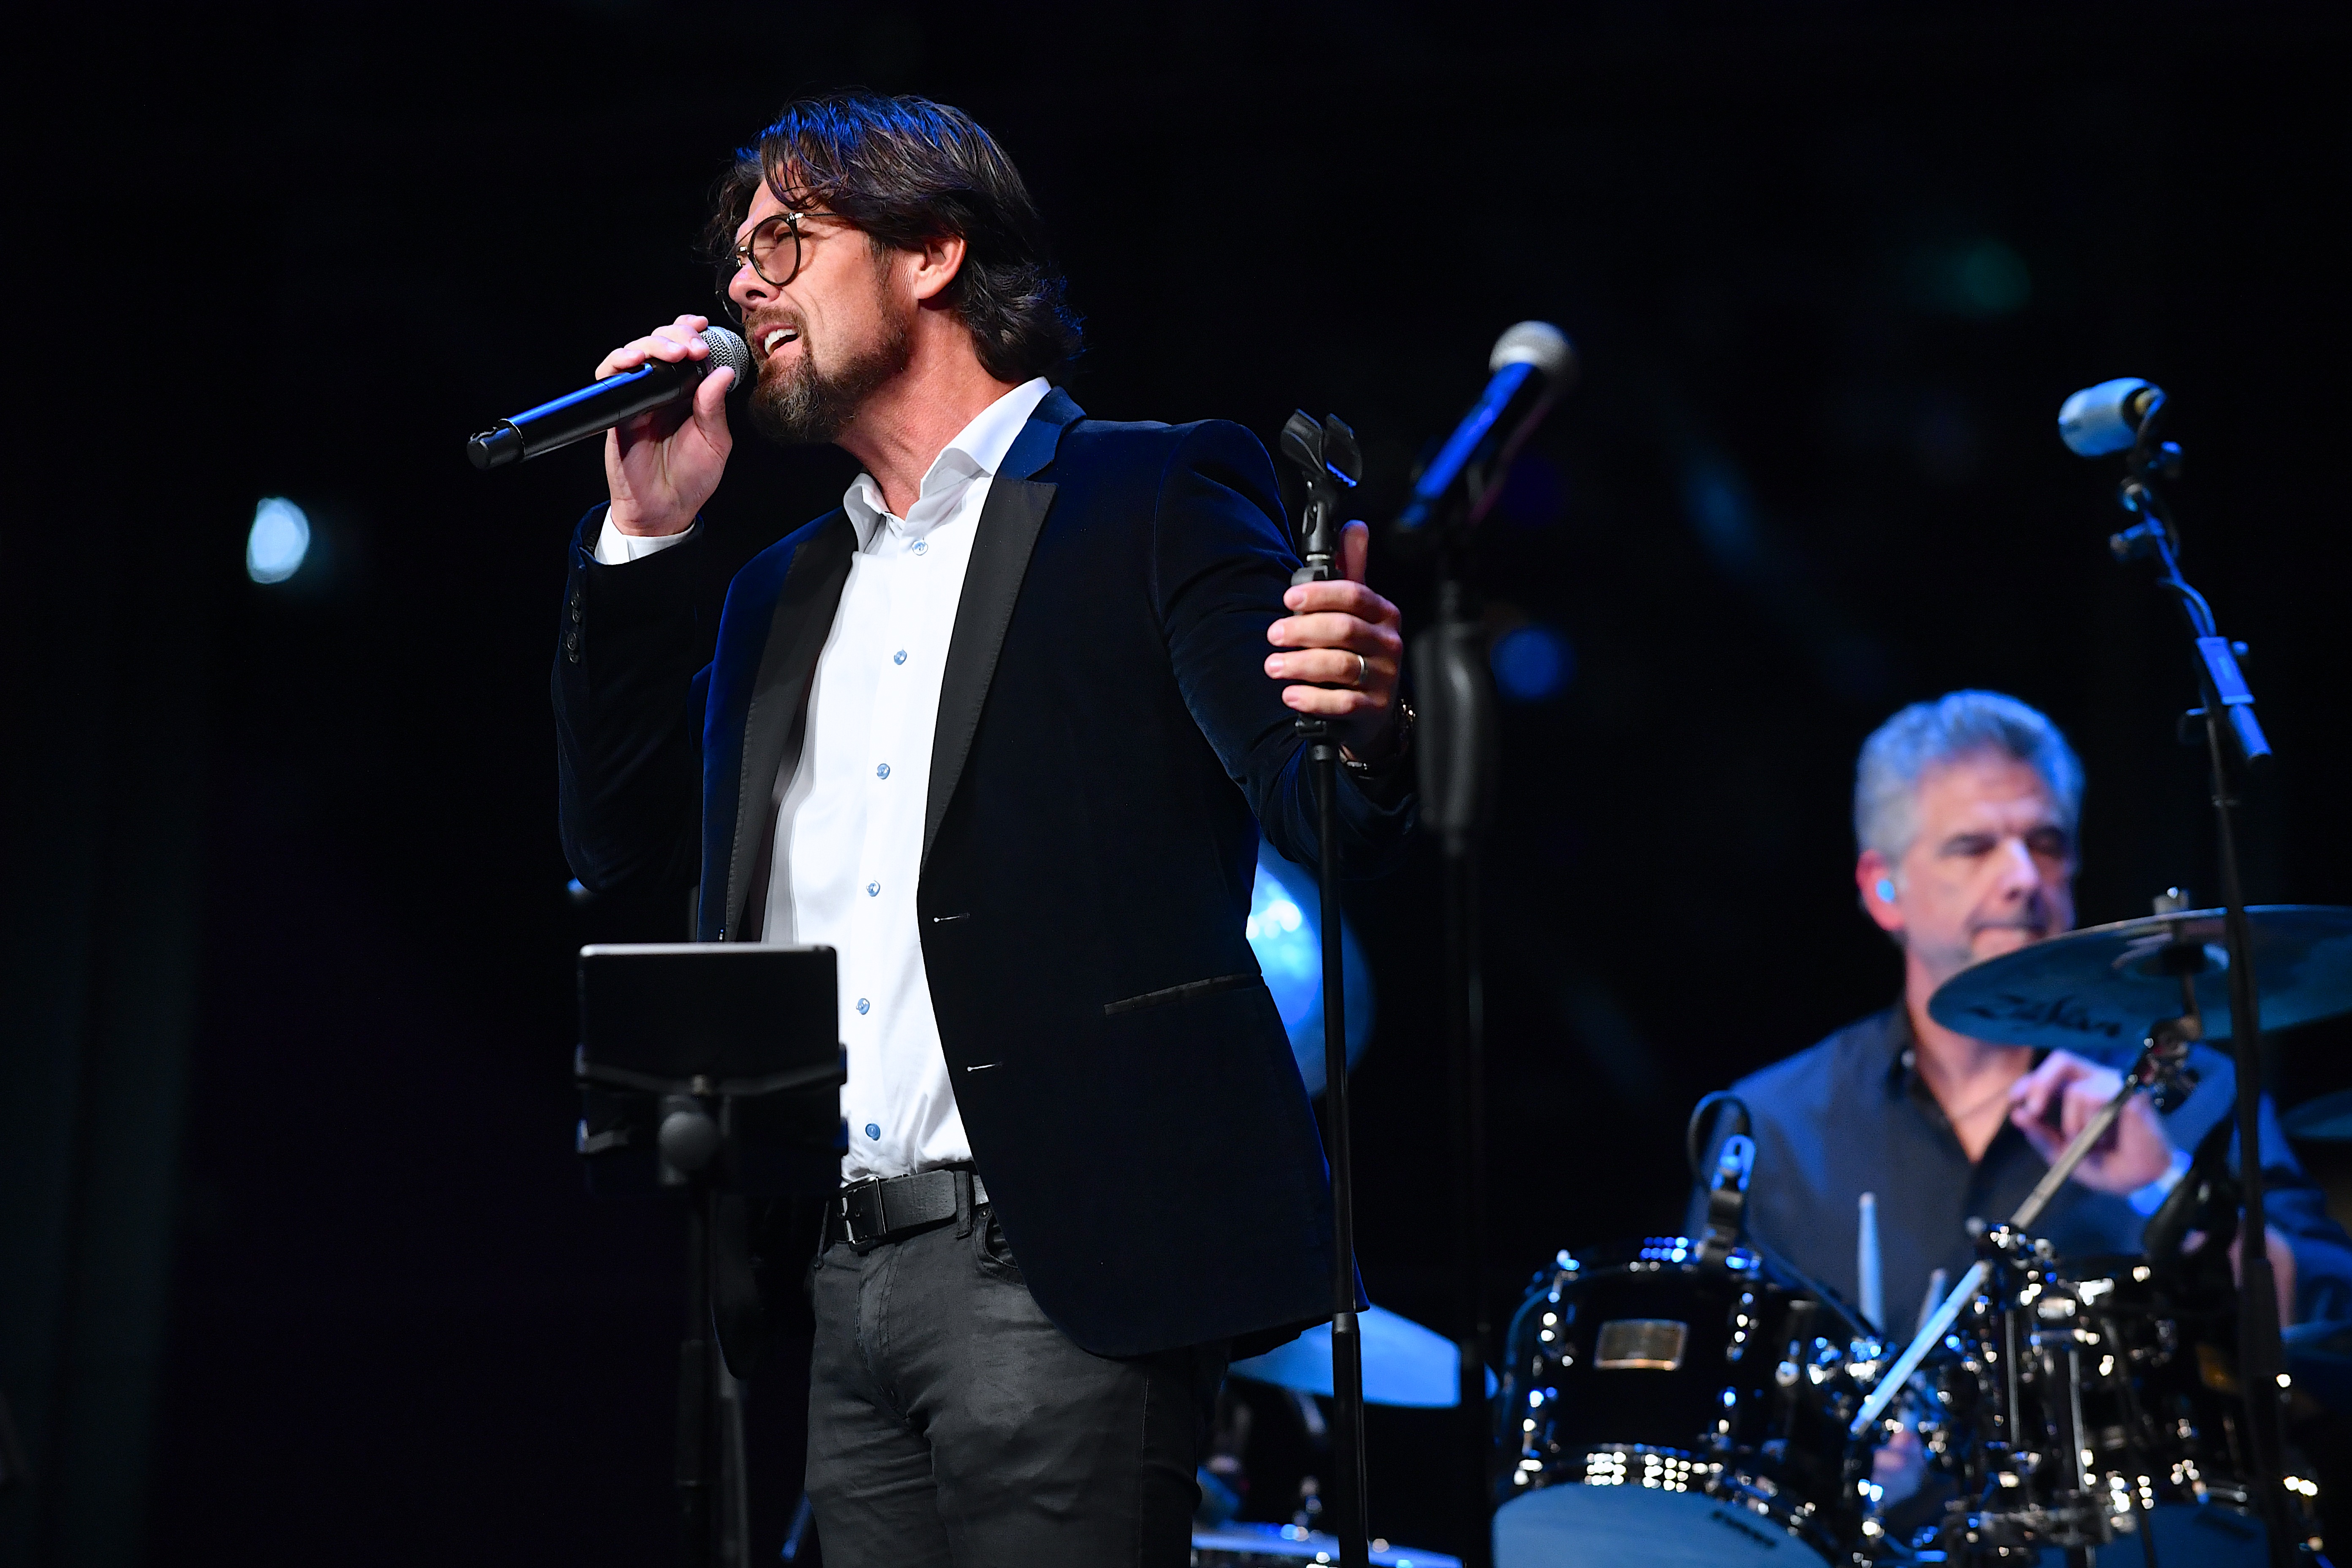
(1007, 533)
(796, 634)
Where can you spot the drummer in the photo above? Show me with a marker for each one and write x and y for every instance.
(1964, 814)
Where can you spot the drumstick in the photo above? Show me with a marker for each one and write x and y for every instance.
(1866, 1265)
(1944, 1316)
(1936, 1283)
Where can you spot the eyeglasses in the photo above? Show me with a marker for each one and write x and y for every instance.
(773, 248)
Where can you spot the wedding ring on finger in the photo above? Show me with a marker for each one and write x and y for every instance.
(1363, 668)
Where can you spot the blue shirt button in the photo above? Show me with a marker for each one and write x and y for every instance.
(863, 1004)
(873, 1130)
(899, 657)
(873, 889)
(882, 771)
(921, 547)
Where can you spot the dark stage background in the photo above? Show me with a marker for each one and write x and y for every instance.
(298, 1265)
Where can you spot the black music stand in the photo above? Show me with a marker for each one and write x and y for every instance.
(708, 1070)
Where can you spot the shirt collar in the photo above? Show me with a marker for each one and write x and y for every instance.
(977, 451)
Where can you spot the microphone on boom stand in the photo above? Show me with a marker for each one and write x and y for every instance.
(1530, 366)
(2122, 416)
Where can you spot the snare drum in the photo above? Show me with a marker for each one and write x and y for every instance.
(1661, 1408)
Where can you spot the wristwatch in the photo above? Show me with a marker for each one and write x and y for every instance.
(1388, 764)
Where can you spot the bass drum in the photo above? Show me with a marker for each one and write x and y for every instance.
(1662, 1408)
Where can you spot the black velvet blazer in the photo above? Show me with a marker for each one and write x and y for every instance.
(1107, 748)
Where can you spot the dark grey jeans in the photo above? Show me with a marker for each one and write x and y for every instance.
(951, 1424)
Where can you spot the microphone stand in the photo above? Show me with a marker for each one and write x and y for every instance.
(2227, 710)
(1459, 768)
(1327, 455)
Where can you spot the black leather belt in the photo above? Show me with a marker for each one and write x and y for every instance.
(869, 1213)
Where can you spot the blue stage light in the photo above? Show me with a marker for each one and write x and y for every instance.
(1285, 933)
(1532, 663)
(280, 539)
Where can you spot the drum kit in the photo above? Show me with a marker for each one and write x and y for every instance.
(1693, 1400)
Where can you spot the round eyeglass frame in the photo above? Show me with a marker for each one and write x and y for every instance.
(741, 257)
(741, 254)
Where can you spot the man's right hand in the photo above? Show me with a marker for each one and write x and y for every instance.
(663, 464)
(2057, 1099)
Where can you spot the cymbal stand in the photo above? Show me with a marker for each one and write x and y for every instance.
(2227, 710)
(1327, 455)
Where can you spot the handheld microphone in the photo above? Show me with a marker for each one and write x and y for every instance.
(2106, 418)
(1533, 358)
(597, 407)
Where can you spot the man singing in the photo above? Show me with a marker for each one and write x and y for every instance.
(1002, 730)
(1964, 817)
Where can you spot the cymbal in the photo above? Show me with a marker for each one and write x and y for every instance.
(1404, 1364)
(2327, 1119)
(2101, 988)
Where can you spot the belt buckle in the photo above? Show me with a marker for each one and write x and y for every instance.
(852, 1202)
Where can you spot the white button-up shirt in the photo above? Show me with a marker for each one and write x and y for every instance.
(849, 830)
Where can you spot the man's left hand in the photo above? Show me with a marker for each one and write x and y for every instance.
(2058, 1098)
(1345, 640)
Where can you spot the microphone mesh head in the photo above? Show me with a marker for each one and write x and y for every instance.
(2102, 418)
(1538, 343)
(729, 348)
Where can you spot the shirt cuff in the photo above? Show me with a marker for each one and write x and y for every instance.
(615, 548)
(2150, 1198)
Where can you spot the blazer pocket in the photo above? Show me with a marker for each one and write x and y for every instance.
(1191, 991)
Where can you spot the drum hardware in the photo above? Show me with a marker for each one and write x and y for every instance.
(2152, 1396)
(2072, 1405)
(2025, 1459)
(2019, 1443)
(2162, 1056)
(1245, 1545)
(1726, 1200)
(1681, 1396)
(2166, 1423)
(1263, 1497)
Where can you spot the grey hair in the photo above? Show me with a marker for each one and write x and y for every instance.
(1929, 734)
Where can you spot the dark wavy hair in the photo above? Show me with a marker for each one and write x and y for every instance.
(906, 170)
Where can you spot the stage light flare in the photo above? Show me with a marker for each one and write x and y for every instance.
(1532, 663)
(277, 540)
(1285, 933)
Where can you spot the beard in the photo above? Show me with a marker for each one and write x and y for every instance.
(809, 401)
